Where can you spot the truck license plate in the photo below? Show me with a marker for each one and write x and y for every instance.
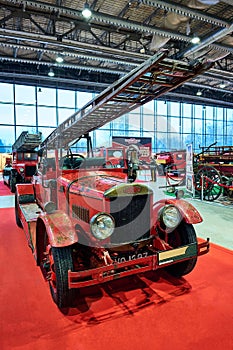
(121, 259)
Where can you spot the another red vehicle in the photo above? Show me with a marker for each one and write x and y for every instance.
(113, 156)
(172, 161)
(25, 159)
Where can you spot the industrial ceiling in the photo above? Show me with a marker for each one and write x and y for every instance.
(117, 37)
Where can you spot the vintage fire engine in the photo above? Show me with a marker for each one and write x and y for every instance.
(86, 223)
(25, 159)
(173, 161)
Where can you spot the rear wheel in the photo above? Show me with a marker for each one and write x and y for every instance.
(182, 235)
(17, 219)
(60, 261)
(12, 183)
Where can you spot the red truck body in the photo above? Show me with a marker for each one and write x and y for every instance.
(88, 223)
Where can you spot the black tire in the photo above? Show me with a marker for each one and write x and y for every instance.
(62, 262)
(184, 234)
(12, 184)
(17, 219)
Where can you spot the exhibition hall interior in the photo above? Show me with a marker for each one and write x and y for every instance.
(116, 174)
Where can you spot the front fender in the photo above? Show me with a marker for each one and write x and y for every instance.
(189, 213)
(59, 228)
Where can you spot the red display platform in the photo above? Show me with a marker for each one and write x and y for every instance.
(149, 312)
(4, 189)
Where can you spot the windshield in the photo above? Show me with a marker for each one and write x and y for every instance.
(30, 156)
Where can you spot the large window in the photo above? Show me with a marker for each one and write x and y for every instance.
(171, 125)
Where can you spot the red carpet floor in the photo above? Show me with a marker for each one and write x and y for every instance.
(150, 312)
(4, 189)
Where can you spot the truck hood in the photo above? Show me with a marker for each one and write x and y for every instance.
(93, 182)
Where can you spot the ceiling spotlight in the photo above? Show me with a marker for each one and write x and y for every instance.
(195, 39)
(199, 93)
(86, 12)
(59, 59)
(222, 85)
(51, 73)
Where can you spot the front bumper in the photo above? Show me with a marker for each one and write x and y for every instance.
(152, 262)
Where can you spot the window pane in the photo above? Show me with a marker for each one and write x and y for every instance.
(219, 113)
(47, 116)
(174, 124)
(7, 138)
(6, 92)
(45, 132)
(20, 129)
(209, 127)
(148, 122)
(25, 115)
(229, 114)
(198, 125)
(83, 98)
(134, 121)
(46, 97)
(198, 111)
(187, 110)
(64, 113)
(102, 138)
(162, 107)
(148, 108)
(6, 114)
(119, 123)
(220, 127)
(174, 141)
(186, 125)
(66, 98)
(161, 123)
(25, 94)
(174, 108)
(209, 112)
(220, 140)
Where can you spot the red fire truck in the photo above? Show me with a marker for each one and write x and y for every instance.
(88, 224)
(172, 161)
(25, 159)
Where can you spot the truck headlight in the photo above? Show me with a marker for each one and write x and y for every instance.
(102, 225)
(171, 216)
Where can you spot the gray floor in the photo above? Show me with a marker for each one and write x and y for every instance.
(217, 218)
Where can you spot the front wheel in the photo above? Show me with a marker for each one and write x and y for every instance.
(60, 262)
(182, 235)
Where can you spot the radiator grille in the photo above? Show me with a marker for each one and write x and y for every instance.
(80, 213)
(132, 218)
(30, 170)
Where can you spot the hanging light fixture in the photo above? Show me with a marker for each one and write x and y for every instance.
(59, 59)
(195, 39)
(199, 93)
(51, 73)
(86, 12)
(222, 85)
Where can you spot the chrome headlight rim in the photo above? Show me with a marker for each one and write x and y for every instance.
(170, 216)
(102, 225)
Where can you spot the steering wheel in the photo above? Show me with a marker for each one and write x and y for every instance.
(74, 158)
(108, 164)
(69, 160)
